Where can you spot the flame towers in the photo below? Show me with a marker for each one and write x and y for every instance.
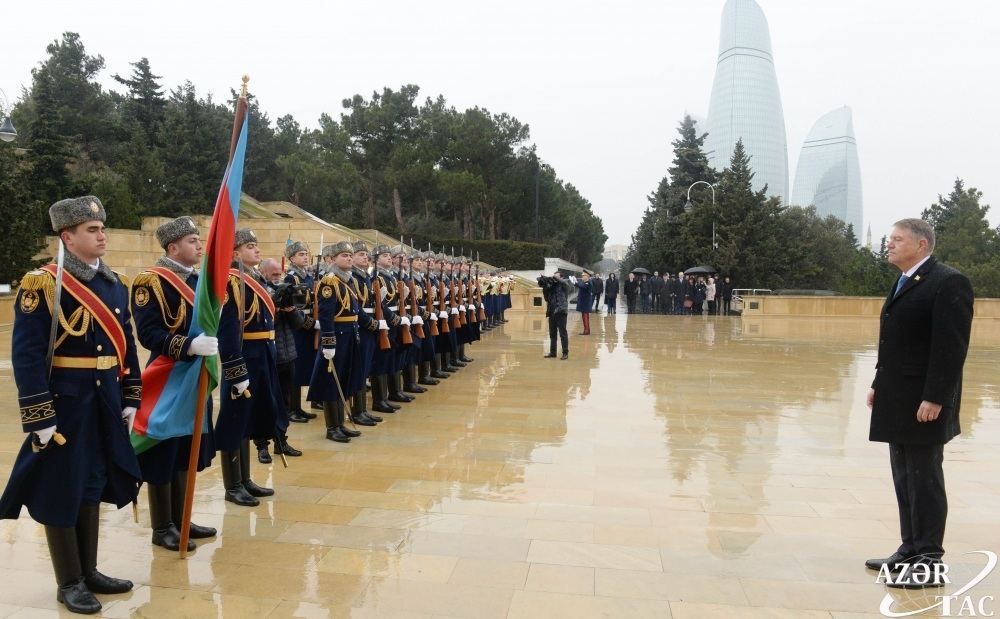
(746, 102)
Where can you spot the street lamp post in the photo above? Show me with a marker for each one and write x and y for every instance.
(7, 131)
(688, 206)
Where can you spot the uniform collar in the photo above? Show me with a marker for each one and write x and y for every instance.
(174, 266)
(86, 272)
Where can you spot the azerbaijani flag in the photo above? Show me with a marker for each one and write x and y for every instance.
(169, 388)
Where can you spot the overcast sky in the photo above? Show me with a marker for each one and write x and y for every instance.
(601, 84)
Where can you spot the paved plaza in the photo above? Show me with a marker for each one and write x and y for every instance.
(685, 467)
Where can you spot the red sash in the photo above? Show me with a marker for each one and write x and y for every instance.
(258, 290)
(174, 280)
(104, 316)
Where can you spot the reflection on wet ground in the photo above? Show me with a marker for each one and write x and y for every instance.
(674, 466)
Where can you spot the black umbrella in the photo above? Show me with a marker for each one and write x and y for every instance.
(700, 270)
(641, 271)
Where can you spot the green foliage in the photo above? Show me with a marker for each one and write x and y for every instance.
(388, 162)
(20, 216)
(965, 239)
(515, 255)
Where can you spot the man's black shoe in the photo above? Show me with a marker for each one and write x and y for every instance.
(256, 490)
(922, 574)
(351, 433)
(334, 434)
(564, 356)
(316, 406)
(551, 355)
(295, 417)
(307, 414)
(361, 420)
(400, 397)
(374, 418)
(383, 407)
(414, 388)
(893, 562)
(287, 449)
(263, 455)
(78, 599)
(429, 380)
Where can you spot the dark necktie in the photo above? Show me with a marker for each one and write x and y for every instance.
(900, 284)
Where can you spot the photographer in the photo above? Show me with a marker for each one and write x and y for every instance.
(287, 320)
(556, 291)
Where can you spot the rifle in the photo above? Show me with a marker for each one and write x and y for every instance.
(404, 330)
(383, 335)
(456, 320)
(471, 296)
(441, 301)
(479, 292)
(414, 308)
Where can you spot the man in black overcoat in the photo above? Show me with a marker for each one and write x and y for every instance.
(923, 340)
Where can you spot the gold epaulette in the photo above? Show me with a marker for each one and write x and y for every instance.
(146, 278)
(123, 279)
(330, 279)
(37, 280)
(31, 284)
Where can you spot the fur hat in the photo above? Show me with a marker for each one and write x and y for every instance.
(244, 236)
(72, 211)
(295, 247)
(175, 230)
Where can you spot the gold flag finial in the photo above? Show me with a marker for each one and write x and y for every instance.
(243, 88)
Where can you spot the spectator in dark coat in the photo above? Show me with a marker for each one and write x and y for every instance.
(598, 285)
(631, 290)
(556, 292)
(644, 294)
(611, 294)
(698, 296)
(584, 299)
(725, 294)
(655, 291)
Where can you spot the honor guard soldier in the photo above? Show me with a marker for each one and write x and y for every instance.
(428, 319)
(79, 386)
(385, 360)
(298, 257)
(250, 391)
(162, 306)
(468, 333)
(413, 318)
(339, 350)
(368, 328)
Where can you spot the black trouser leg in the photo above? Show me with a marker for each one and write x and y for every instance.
(65, 553)
(918, 477)
(563, 334)
(553, 328)
(165, 531)
(177, 491)
(88, 525)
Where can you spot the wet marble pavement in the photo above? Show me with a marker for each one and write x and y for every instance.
(672, 467)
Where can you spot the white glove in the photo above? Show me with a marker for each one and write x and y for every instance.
(128, 414)
(434, 316)
(45, 434)
(461, 308)
(417, 320)
(242, 386)
(443, 315)
(572, 279)
(404, 320)
(316, 325)
(454, 311)
(204, 345)
(482, 306)
(328, 353)
(382, 325)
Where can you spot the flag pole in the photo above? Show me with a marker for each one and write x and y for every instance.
(200, 403)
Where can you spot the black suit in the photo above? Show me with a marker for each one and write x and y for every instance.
(923, 340)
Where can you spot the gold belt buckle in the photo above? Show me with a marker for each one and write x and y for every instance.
(106, 362)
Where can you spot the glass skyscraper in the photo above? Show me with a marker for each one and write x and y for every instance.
(829, 174)
(745, 100)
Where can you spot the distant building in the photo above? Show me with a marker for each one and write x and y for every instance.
(615, 252)
(828, 175)
(746, 102)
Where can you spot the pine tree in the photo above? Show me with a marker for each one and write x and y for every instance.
(20, 216)
(48, 157)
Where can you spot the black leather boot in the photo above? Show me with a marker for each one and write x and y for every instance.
(165, 533)
(295, 406)
(436, 371)
(342, 412)
(424, 376)
(282, 446)
(454, 360)
(232, 479)
(252, 488)
(396, 388)
(380, 396)
(88, 523)
(177, 488)
(447, 363)
(65, 553)
(461, 355)
(410, 380)
(332, 419)
(362, 403)
(357, 405)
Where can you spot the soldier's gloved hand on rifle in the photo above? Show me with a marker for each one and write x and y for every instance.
(417, 320)
(328, 353)
(454, 311)
(45, 434)
(316, 325)
(405, 321)
(461, 308)
(241, 386)
(204, 345)
(383, 325)
(128, 415)
(443, 314)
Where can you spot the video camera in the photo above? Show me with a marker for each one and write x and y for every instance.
(288, 294)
